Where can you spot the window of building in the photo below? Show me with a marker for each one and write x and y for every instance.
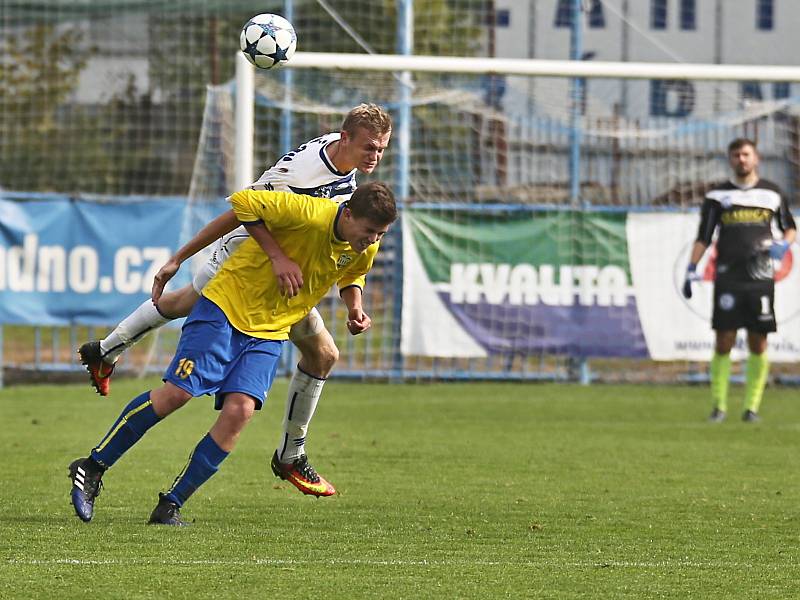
(764, 14)
(564, 13)
(781, 90)
(751, 90)
(671, 98)
(502, 18)
(688, 15)
(597, 19)
(658, 14)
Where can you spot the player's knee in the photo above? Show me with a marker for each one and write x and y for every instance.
(239, 409)
(725, 341)
(179, 303)
(168, 399)
(329, 356)
(321, 359)
(723, 348)
(757, 344)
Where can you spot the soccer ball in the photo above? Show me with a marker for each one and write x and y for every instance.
(268, 40)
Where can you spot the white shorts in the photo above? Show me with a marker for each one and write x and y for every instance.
(220, 252)
(308, 326)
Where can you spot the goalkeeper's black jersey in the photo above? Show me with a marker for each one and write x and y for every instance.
(744, 217)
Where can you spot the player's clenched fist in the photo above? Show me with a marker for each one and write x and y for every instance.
(358, 322)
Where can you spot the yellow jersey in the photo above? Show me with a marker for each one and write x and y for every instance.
(246, 289)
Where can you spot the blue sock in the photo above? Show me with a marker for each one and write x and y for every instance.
(133, 422)
(203, 463)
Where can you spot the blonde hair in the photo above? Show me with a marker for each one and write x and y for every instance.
(368, 116)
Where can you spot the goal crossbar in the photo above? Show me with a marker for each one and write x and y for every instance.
(544, 68)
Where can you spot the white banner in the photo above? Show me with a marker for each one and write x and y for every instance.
(678, 329)
(428, 327)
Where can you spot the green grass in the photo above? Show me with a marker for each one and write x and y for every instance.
(446, 491)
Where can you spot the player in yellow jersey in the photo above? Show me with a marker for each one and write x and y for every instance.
(231, 342)
(325, 166)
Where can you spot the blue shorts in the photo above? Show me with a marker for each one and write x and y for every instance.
(214, 357)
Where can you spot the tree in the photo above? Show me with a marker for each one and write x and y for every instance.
(39, 71)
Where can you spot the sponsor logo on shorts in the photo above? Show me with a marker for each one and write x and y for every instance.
(726, 301)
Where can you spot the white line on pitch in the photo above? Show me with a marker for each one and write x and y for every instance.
(397, 562)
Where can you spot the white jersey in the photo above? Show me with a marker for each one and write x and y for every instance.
(308, 170)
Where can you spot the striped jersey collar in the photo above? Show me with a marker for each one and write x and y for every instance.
(336, 221)
(328, 162)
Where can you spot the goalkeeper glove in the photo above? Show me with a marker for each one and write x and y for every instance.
(691, 276)
(778, 249)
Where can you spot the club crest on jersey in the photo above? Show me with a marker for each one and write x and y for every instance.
(323, 191)
(344, 260)
(332, 190)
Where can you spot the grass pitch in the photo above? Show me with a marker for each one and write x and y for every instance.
(446, 491)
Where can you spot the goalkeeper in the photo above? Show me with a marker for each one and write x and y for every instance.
(742, 210)
(326, 167)
(231, 342)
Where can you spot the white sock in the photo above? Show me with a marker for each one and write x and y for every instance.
(304, 393)
(131, 329)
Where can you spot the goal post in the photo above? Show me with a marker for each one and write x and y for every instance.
(245, 98)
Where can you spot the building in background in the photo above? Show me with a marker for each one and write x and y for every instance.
(748, 32)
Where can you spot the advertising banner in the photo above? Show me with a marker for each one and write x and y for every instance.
(584, 284)
(676, 328)
(518, 282)
(64, 262)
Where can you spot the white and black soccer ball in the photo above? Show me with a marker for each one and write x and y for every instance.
(268, 40)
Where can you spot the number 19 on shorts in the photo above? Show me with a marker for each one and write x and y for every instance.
(185, 368)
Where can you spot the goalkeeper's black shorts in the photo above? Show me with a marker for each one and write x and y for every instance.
(753, 310)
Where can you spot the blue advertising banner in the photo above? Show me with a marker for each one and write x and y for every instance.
(77, 261)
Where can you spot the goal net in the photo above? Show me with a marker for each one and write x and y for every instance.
(517, 257)
(545, 219)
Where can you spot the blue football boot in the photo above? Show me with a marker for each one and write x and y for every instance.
(86, 479)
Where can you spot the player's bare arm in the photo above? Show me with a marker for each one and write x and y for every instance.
(357, 320)
(225, 223)
(287, 272)
(698, 249)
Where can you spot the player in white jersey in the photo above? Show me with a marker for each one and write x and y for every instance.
(325, 167)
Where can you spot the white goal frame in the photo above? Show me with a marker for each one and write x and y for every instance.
(245, 77)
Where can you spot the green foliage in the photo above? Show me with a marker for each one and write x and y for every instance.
(40, 70)
(441, 28)
(128, 122)
(446, 491)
